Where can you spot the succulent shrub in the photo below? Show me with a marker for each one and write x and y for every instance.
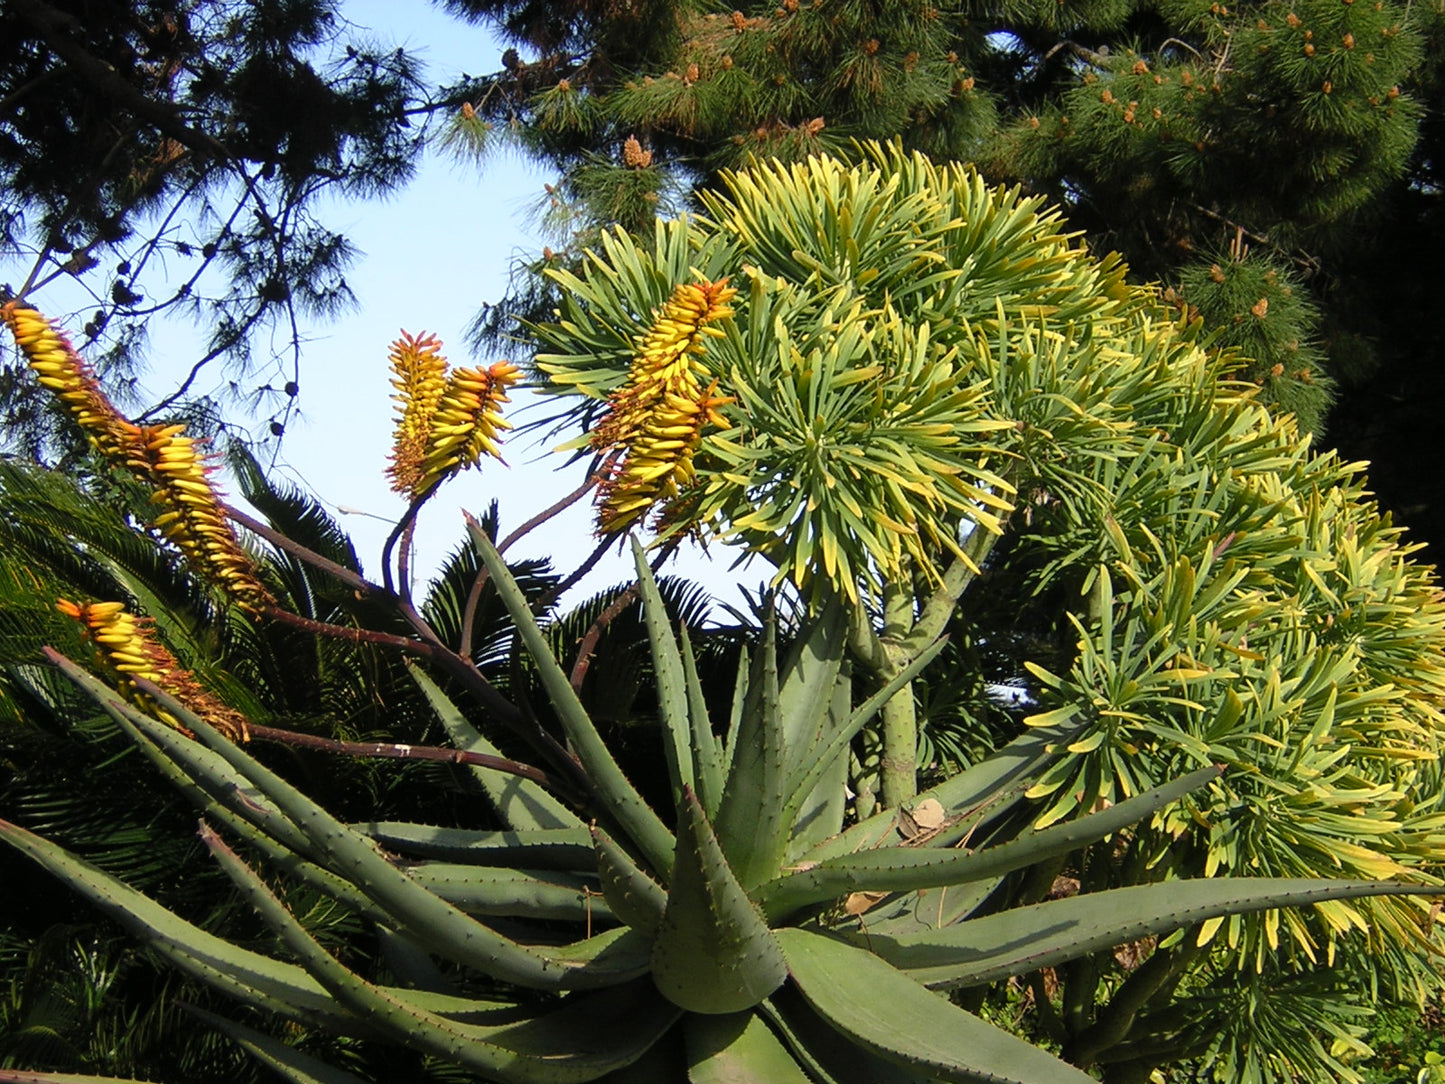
(921, 402)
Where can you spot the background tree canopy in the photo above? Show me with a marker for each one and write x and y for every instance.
(1272, 163)
(172, 155)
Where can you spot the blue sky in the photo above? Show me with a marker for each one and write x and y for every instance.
(430, 256)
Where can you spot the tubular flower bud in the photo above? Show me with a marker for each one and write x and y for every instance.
(59, 368)
(657, 417)
(467, 422)
(420, 378)
(127, 647)
(193, 518)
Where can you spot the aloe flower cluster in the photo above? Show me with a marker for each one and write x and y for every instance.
(658, 415)
(126, 647)
(445, 420)
(162, 457)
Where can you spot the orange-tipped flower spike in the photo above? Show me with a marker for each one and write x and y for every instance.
(659, 463)
(468, 421)
(193, 518)
(127, 647)
(445, 421)
(160, 456)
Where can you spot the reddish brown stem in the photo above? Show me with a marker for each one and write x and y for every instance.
(589, 641)
(402, 532)
(566, 585)
(606, 617)
(430, 646)
(280, 541)
(405, 752)
(351, 633)
(474, 596)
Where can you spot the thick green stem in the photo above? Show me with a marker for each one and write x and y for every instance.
(1147, 982)
(908, 629)
(899, 766)
(938, 608)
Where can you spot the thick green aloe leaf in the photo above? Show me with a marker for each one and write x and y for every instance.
(714, 953)
(886, 1012)
(411, 966)
(986, 789)
(929, 908)
(736, 1049)
(808, 679)
(634, 897)
(707, 751)
(590, 1034)
(818, 1047)
(195, 769)
(737, 709)
(835, 745)
(665, 1060)
(620, 952)
(543, 848)
(436, 924)
(750, 822)
(224, 795)
(291, 1064)
(23, 1076)
(272, 984)
(250, 976)
(673, 705)
(621, 803)
(522, 803)
(818, 815)
(901, 869)
(1027, 938)
(498, 890)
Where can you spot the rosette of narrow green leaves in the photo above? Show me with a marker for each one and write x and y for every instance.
(861, 354)
(1243, 602)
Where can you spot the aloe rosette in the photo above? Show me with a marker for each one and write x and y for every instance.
(747, 935)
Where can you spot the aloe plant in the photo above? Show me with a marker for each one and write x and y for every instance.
(749, 935)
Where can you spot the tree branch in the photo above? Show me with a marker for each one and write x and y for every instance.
(55, 28)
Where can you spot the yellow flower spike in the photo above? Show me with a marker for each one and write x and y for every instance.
(193, 518)
(420, 379)
(466, 423)
(126, 646)
(659, 463)
(159, 455)
(658, 415)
